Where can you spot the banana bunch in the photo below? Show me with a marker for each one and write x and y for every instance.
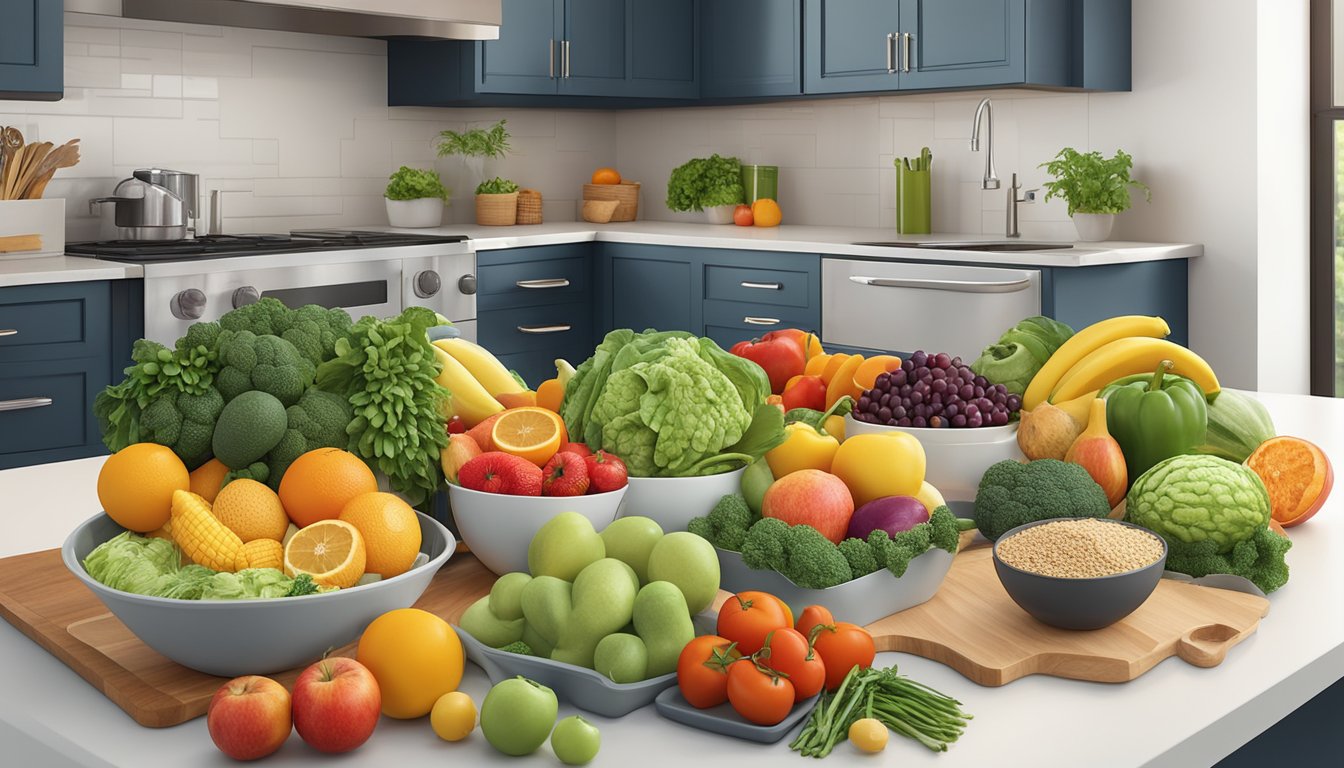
(1109, 350)
(475, 377)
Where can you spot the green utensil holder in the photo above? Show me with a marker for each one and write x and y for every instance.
(913, 214)
(760, 181)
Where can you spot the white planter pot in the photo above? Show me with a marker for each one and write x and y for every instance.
(1093, 227)
(424, 212)
(720, 214)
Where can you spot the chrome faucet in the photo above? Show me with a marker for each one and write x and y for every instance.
(990, 181)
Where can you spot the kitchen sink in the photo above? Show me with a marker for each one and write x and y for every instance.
(993, 246)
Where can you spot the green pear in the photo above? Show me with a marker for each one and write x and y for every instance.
(565, 545)
(603, 601)
(755, 480)
(664, 624)
(506, 596)
(540, 646)
(630, 540)
(622, 657)
(689, 562)
(481, 623)
(546, 607)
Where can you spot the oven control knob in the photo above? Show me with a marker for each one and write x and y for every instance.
(188, 304)
(427, 283)
(244, 296)
(467, 284)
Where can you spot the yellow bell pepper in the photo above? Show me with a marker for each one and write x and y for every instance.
(803, 448)
(835, 426)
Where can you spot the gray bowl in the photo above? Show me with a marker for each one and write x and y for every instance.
(243, 637)
(1079, 603)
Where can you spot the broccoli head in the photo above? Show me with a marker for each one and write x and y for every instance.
(266, 363)
(859, 556)
(312, 329)
(518, 647)
(944, 530)
(1258, 558)
(184, 422)
(318, 420)
(763, 546)
(726, 524)
(257, 470)
(1013, 494)
(798, 552)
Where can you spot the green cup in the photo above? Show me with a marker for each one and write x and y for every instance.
(760, 181)
(913, 210)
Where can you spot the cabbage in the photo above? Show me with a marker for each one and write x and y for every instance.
(1191, 499)
(1020, 352)
(134, 563)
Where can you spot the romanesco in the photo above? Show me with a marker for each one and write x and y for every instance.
(726, 524)
(265, 363)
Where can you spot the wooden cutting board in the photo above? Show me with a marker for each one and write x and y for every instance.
(973, 626)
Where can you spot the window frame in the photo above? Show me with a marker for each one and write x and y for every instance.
(1324, 115)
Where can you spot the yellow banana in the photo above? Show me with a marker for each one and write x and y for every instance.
(1126, 357)
(482, 365)
(470, 400)
(1083, 343)
(1080, 408)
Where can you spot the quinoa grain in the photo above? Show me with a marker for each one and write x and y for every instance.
(1082, 548)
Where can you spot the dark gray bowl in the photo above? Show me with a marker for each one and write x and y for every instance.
(1079, 603)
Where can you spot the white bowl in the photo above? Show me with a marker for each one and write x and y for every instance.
(673, 501)
(955, 458)
(497, 527)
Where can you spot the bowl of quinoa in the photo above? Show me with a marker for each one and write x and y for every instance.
(1079, 573)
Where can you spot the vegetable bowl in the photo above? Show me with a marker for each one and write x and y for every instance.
(673, 501)
(498, 527)
(255, 636)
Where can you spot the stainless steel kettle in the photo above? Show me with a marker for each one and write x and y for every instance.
(154, 204)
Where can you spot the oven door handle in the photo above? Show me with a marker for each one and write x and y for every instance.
(960, 286)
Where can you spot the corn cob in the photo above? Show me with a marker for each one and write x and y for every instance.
(202, 537)
(264, 553)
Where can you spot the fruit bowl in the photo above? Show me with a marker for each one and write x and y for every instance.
(673, 501)
(497, 527)
(259, 636)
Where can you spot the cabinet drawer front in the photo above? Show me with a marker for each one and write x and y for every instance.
(49, 322)
(532, 283)
(759, 286)
(505, 332)
(46, 407)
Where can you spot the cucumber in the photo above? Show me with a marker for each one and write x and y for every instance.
(1237, 426)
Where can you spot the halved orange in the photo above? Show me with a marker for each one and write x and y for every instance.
(530, 433)
(1297, 475)
(331, 551)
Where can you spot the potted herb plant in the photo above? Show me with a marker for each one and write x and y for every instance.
(496, 202)
(415, 198)
(1094, 187)
(475, 146)
(711, 184)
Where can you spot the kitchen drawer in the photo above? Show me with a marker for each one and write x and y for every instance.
(728, 322)
(53, 322)
(63, 429)
(506, 331)
(780, 287)
(532, 283)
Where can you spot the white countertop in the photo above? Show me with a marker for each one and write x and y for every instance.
(62, 269)
(1175, 715)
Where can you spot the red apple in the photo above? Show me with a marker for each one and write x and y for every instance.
(571, 447)
(336, 704)
(811, 497)
(248, 717)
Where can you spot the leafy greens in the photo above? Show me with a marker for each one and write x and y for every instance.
(705, 182)
(415, 184)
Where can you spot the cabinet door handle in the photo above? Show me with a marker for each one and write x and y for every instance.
(556, 282)
(550, 59)
(24, 403)
(905, 51)
(564, 49)
(761, 320)
(891, 53)
(559, 328)
(960, 286)
(8, 332)
(762, 286)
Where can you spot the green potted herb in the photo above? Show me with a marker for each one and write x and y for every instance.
(1094, 187)
(496, 202)
(415, 198)
(710, 184)
(475, 146)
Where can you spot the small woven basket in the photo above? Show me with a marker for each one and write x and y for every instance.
(497, 210)
(625, 193)
(529, 206)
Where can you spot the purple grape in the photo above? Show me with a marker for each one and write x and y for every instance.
(898, 411)
(973, 421)
(864, 400)
(978, 391)
(999, 418)
(956, 361)
(907, 365)
(959, 420)
(966, 373)
(939, 386)
(971, 409)
(938, 374)
(1014, 402)
(883, 414)
(919, 421)
(919, 358)
(951, 409)
(898, 378)
(936, 400)
(966, 392)
(980, 381)
(941, 360)
(916, 397)
(905, 401)
(903, 422)
(872, 408)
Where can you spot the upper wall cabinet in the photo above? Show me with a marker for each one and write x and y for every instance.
(31, 63)
(751, 48)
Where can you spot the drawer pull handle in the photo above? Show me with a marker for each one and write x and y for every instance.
(762, 286)
(8, 332)
(761, 320)
(555, 282)
(24, 403)
(560, 328)
(959, 286)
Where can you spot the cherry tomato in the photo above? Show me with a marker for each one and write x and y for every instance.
(747, 617)
(742, 216)
(702, 670)
(760, 696)
(842, 647)
(455, 426)
(811, 616)
(786, 651)
(805, 392)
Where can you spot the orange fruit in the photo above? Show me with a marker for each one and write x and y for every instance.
(551, 394)
(415, 656)
(517, 399)
(136, 484)
(481, 432)
(331, 551)
(207, 479)
(606, 176)
(534, 434)
(390, 530)
(1297, 475)
(765, 213)
(251, 510)
(320, 483)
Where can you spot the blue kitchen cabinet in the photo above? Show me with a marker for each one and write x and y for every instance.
(661, 49)
(751, 49)
(652, 286)
(32, 66)
(525, 58)
(851, 45)
(964, 43)
(1080, 296)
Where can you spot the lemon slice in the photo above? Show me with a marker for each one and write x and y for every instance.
(530, 432)
(331, 551)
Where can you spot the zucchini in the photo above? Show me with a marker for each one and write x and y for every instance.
(1237, 426)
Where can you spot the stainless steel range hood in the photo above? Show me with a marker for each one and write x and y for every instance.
(442, 19)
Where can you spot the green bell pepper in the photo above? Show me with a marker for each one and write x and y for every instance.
(1155, 417)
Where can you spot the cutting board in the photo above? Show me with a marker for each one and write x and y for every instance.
(973, 626)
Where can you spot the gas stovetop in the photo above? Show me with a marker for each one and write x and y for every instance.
(223, 246)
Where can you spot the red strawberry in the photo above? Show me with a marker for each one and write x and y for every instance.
(564, 475)
(499, 472)
(606, 472)
(580, 448)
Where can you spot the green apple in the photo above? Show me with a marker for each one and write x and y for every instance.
(506, 596)
(622, 657)
(575, 741)
(517, 715)
(483, 624)
(630, 540)
(755, 480)
(602, 601)
(565, 545)
(689, 562)
(546, 603)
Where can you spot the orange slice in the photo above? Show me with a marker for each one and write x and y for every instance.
(1297, 475)
(331, 551)
(531, 433)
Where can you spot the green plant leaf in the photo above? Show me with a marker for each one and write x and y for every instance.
(415, 184)
(477, 142)
(1090, 183)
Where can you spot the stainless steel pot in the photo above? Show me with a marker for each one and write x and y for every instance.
(154, 204)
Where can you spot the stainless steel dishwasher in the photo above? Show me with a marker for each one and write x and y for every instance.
(904, 306)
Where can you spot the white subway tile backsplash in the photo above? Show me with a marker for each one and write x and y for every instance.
(167, 86)
(137, 82)
(197, 87)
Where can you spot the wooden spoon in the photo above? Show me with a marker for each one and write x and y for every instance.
(32, 155)
(10, 141)
(64, 156)
(10, 171)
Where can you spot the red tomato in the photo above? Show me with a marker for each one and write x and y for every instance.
(781, 358)
(786, 651)
(702, 670)
(742, 216)
(747, 617)
(805, 392)
(811, 616)
(842, 647)
(762, 697)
